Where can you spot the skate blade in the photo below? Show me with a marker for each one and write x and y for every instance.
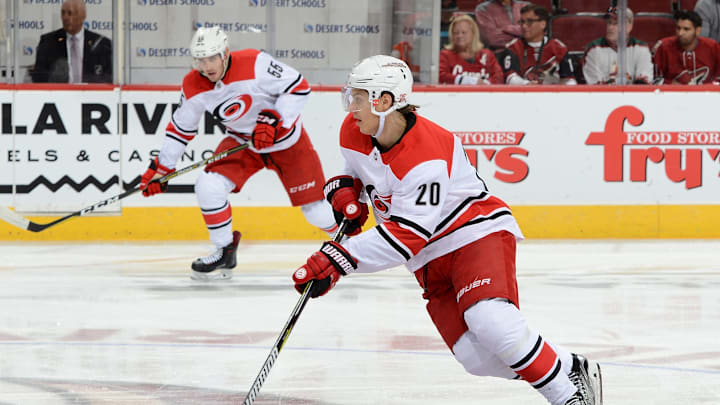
(217, 275)
(598, 388)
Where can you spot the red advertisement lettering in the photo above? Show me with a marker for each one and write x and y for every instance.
(507, 157)
(516, 168)
(681, 164)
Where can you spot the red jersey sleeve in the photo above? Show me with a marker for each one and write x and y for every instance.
(446, 65)
(493, 67)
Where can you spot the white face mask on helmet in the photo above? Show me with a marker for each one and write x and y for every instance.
(208, 42)
(378, 74)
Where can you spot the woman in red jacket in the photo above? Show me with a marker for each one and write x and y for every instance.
(465, 60)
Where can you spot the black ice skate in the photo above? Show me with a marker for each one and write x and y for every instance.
(586, 376)
(219, 265)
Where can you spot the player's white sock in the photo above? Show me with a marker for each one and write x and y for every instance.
(319, 213)
(211, 191)
(500, 328)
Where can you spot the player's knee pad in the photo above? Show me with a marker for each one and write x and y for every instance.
(469, 355)
(499, 327)
(212, 189)
(478, 361)
(320, 214)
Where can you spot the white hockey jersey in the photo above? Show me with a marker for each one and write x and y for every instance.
(426, 196)
(254, 81)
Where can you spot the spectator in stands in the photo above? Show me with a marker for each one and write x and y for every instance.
(73, 54)
(709, 11)
(687, 58)
(498, 22)
(536, 58)
(601, 56)
(465, 60)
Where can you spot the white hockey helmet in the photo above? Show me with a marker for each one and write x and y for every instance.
(208, 42)
(378, 74)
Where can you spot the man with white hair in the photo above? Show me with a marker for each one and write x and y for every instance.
(601, 66)
(73, 54)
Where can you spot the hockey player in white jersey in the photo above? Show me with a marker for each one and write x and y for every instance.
(437, 217)
(258, 100)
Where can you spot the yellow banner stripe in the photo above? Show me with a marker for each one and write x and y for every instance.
(288, 223)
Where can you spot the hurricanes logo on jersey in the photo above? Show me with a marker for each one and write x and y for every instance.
(381, 203)
(233, 108)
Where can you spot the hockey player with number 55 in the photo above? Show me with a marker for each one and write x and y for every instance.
(258, 100)
(436, 216)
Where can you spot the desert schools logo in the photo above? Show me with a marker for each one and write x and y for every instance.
(341, 28)
(27, 50)
(500, 148)
(29, 25)
(140, 26)
(174, 2)
(90, 2)
(162, 52)
(97, 25)
(676, 149)
(293, 53)
(254, 28)
(289, 3)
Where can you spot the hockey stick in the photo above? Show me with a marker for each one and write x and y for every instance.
(285, 332)
(21, 222)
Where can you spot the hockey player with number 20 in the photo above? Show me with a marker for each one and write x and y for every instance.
(258, 100)
(436, 216)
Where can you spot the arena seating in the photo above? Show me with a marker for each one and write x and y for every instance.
(548, 4)
(576, 31)
(584, 6)
(650, 27)
(467, 5)
(686, 4)
(651, 6)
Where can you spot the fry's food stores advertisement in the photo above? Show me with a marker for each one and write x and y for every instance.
(572, 163)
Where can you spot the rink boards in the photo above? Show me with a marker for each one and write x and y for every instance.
(626, 162)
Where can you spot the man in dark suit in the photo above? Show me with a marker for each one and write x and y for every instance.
(73, 54)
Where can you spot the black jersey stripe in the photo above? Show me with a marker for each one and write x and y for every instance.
(218, 226)
(300, 93)
(529, 355)
(176, 138)
(459, 208)
(207, 211)
(291, 132)
(411, 224)
(392, 243)
(297, 80)
(181, 129)
(549, 378)
(473, 222)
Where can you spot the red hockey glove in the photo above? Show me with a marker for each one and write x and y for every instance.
(147, 182)
(268, 129)
(325, 267)
(343, 192)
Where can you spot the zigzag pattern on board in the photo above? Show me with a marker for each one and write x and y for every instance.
(87, 182)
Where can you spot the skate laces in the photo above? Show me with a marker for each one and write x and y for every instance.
(213, 257)
(580, 379)
(574, 400)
